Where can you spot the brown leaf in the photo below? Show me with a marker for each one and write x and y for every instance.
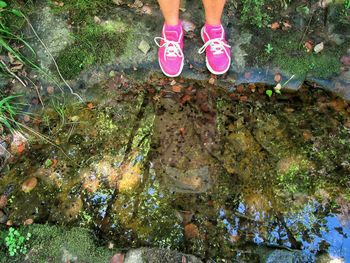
(275, 26)
(182, 131)
(176, 88)
(90, 105)
(185, 98)
(191, 231)
(286, 25)
(308, 45)
(28, 221)
(211, 81)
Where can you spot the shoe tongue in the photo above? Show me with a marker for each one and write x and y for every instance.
(172, 35)
(215, 32)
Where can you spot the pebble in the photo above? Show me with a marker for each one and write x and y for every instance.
(117, 258)
(29, 184)
(188, 26)
(144, 47)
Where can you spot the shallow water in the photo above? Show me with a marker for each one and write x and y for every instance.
(215, 173)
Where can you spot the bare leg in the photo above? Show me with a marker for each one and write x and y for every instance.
(170, 10)
(213, 11)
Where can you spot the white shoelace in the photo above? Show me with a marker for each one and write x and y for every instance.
(217, 46)
(172, 48)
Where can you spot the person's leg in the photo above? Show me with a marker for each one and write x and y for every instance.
(170, 56)
(218, 52)
(170, 10)
(213, 11)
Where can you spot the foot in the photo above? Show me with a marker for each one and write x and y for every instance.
(170, 55)
(218, 52)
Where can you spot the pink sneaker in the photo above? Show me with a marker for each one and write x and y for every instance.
(218, 52)
(170, 55)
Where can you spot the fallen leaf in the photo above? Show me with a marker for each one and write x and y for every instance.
(173, 82)
(90, 105)
(29, 184)
(211, 81)
(147, 10)
(28, 221)
(269, 92)
(182, 131)
(286, 25)
(185, 98)
(26, 118)
(191, 231)
(176, 88)
(308, 45)
(240, 88)
(243, 98)
(319, 47)
(275, 25)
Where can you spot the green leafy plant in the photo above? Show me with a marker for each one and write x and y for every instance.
(268, 48)
(253, 12)
(16, 242)
(9, 110)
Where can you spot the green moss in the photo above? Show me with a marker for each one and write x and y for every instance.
(292, 57)
(53, 244)
(95, 44)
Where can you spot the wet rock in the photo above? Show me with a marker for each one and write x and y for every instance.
(284, 256)
(143, 255)
(188, 181)
(3, 217)
(29, 184)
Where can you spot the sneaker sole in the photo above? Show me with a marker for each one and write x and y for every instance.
(169, 75)
(207, 64)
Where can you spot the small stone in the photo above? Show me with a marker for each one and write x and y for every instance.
(144, 47)
(211, 81)
(275, 25)
(319, 47)
(188, 26)
(191, 231)
(97, 20)
(50, 89)
(28, 221)
(29, 184)
(26, 118)
(147, 10)
(9, 223)
(3, 217)
(278, 77)
(110, 245)
(118, 2)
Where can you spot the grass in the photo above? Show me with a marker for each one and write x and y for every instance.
(9, 110)
(293, 57)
